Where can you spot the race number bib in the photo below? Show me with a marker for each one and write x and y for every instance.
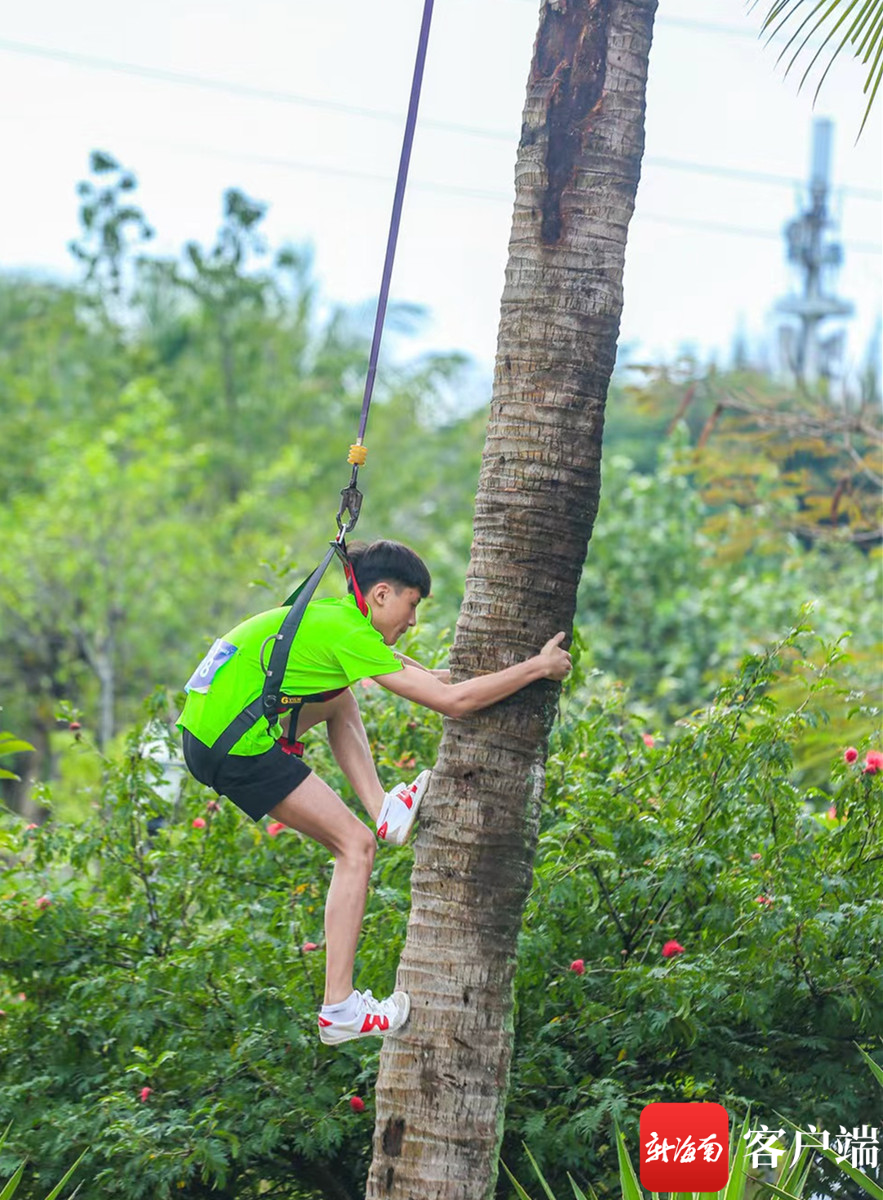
(220, 652)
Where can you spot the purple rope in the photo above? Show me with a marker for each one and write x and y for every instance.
(404, 161)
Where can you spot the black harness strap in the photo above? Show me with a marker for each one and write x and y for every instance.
(271, 702)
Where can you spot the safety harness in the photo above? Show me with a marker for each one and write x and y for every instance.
(273, 702)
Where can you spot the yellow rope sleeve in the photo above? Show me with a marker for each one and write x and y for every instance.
(357, 455)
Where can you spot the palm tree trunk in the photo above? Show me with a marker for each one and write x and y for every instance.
(442, 1088)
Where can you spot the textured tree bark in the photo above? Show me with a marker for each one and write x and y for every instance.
(441, 1093)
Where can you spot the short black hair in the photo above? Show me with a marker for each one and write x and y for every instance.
(388, 562)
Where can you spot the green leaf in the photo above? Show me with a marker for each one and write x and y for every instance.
(865, 34)
(578, 1193)
(10, 744)
(777, 1191)
(12, 1187)
(864, 1181)
(875, 1067)
(539, 1174)
(735, 1188)
(55, 1191)
(519, 1190)
(631, 1189)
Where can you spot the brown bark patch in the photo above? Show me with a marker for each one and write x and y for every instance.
(393, 1136)
(571, 54)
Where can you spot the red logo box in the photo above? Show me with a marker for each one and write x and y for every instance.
(684, 1147)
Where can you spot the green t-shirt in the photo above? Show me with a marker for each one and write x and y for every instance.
(334, 647)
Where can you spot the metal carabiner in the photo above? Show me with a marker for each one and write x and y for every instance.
(350, 503)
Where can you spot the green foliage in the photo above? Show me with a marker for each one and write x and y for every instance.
(674, 593)
(10, 744)
(175, 431)
(172, 424)
(11, 1187)
(705, 839)
(170, 959)
(845, 23)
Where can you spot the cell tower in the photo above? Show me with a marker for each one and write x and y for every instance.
(807, 351)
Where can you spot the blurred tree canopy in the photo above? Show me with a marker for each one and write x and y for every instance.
(174, 436)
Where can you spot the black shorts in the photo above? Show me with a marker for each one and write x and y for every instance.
(254, 782)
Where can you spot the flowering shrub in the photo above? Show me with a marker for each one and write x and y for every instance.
(765, 909)
(160, 1010)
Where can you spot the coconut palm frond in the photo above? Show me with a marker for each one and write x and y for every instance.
(842, 24)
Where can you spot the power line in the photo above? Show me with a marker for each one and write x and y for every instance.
(186, 79)
(244, 90)
(485, 194)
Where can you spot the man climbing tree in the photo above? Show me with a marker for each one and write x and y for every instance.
(441, 1092)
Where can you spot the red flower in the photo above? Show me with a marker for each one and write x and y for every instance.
(199, 822)
(648, 740)
(42, 902)
(145, 1092)
(578, 966)
(275, 828)
(670, 949)
(873, 762)
(357, 1104)
(755, 857)
(308, 946)
(766, 901)
(850, 754)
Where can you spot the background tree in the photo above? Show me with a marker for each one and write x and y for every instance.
(442, 1087)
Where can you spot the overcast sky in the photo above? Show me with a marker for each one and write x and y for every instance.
(302, 105)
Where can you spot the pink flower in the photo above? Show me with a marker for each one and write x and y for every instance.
(32, 826)
(766, 901)
(755, 857)
(275, 828)
(145, 1092)
(199, 822)
(357, 1104)
(2, 1012)
(578, 966)
(212, 806)
(22, 997)
(648, 740)
(832, 813)
(873, 762)
(670, 949)
(42, 902)
(850, 754)
(308, 946)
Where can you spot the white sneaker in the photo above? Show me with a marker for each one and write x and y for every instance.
(399, 810)
(381, 1018)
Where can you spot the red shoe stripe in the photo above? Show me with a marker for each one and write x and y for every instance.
(372, 1021)
(325, 1023)
(383, 830)
(406, 799)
